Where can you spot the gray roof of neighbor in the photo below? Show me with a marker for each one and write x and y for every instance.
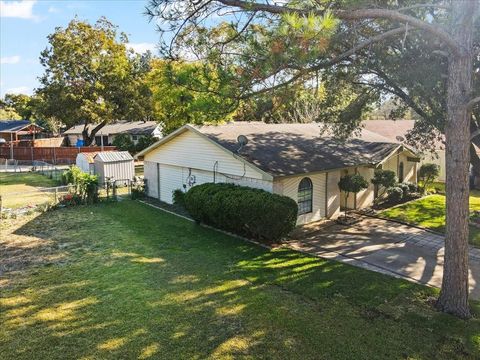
(113, 156)
(289, 149)
(13, 125)
(129, 127)
(391, 129)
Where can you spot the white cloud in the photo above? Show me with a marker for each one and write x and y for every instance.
(142, 47)
(53, 10)
(10, 59)
(19, 90)
(18, 9)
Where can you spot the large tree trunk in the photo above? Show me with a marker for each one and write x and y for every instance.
(454, 293)
(89, 138)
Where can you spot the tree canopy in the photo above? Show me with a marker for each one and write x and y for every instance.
(91, 78)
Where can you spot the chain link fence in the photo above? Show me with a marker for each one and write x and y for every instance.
(12, 204)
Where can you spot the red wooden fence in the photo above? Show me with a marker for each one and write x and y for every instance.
(52, 155)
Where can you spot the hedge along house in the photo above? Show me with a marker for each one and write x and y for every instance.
(295, 160)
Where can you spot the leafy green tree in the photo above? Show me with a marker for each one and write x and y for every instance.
(123, 142)
(144, 142)
(189, 93)
(90, 78)
(24, 105)
(352, 183)
(383, 180)
(427, 174)
(7, 112)
(277, 44)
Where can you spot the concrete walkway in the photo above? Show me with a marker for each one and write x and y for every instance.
(387, 247)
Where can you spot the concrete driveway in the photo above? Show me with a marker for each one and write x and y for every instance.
(387, 247)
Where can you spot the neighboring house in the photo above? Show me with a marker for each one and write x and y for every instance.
(396, 130)
(18, 130)
(295, 160)
(106, 135)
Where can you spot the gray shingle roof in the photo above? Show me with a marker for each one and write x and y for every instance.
(289, 149)
(129, 127)
(13, 125)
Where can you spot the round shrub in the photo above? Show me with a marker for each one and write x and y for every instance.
(178, 197)
(395, 194)
(412, 187)
(242, 210)
(405, 189)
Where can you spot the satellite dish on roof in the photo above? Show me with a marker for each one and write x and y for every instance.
(400, 138)
(242, 141)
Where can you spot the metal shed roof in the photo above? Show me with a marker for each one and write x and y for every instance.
(113, 156)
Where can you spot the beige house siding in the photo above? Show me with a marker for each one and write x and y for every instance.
(150, 174)
(333, 194)
(409, 167)
(191, 150)
(189, 159)
(365, 197)
(288, 186)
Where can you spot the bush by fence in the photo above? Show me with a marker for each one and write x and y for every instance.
(242, 210)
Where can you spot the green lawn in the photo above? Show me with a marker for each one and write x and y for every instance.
(429, 212)
(18, 189)
(124, 280)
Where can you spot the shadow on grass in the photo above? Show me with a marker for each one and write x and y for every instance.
(140, 283)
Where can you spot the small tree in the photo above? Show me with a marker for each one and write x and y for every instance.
(123, 142)
(383, 179)
(427, 174)
(353, 183)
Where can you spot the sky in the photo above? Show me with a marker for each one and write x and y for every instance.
(25, 25)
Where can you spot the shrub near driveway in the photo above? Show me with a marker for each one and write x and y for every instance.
(242, 210)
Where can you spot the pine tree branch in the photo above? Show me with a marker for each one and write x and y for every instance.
(333, 61)
(351, 15)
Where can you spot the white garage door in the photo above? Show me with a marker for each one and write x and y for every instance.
(170, 180)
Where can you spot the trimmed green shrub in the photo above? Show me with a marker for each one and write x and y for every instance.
(395, 194)
(405, 189)
(383, 180)
(412, 187)
(352, 183)
(242, 210)
(178, 197)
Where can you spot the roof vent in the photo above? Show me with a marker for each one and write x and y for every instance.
(242, 141)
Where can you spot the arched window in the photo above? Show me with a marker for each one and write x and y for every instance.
(400, 172)
(305, 196)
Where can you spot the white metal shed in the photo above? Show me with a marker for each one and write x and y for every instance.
(85, 161)
(114, 165)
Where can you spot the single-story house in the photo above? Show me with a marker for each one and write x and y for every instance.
(295, 160)
(396, 130)
(18, 130)
(106, 135)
